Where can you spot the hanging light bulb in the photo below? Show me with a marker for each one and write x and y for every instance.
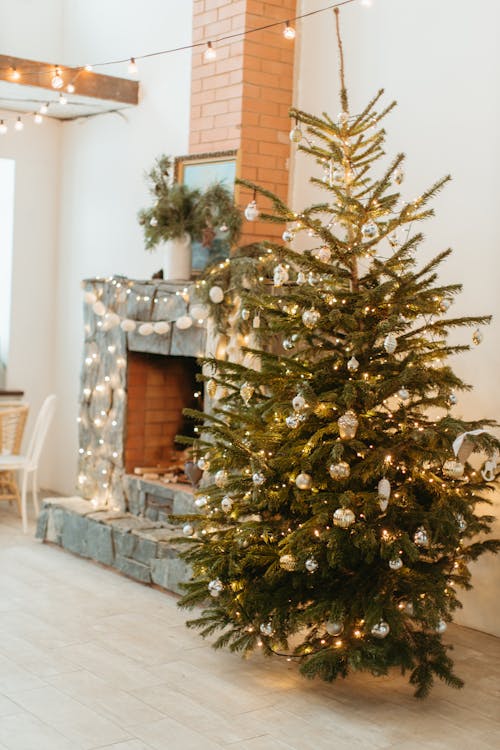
(210, 53)
(38, 119)
(44, 108)
(367, 3)
(70, 88)
(19, 124)
(3, 127)
(132, 67)
(88, 68)
(15, 74)
(289, 31)
(57, 81)
(62, 99)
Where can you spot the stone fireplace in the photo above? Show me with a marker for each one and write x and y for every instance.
(141, 344)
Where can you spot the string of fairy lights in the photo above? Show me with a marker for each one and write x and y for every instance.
(64, 81)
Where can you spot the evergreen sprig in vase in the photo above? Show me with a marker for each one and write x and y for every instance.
(181, 215)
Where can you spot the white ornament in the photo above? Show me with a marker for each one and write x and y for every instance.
(199, 312)
(303, 481)
(311, 564)
(369, 230)
(287, 235)
(90, 297)
(324, 254)
(252, 212)
(256, 321)
(404, 394)
(184, 322)
(187, 529)
(390, 343)
(215, 587)
(258, 478)
(398, 175)
(301, 278)
(296, 134)
(201, 501)
(280, 275)
(216, 294)
(146, 329)
(477, 337)
(339, 471)
(128, 325)
(396, 563)
(220, 478)
(384, 489)
(267, 629)
(453, 469)
(203, 463)
(299, 403)
(334, 628)
(343, 517)
(420, 537)
(353, 364)
(292, 421)
(161, 327)
(441, 626)
(348, 425)
(226, 503)
(381, 629)
(99, 308)
(310, 318)
(245, 314)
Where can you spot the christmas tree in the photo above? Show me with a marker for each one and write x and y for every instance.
(336, 520)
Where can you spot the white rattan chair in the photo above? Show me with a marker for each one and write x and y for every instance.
(28, 462)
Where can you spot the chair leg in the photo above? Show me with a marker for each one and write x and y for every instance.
(24, 513)
(35, 494)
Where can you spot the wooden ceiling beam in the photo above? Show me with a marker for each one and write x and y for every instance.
(87, 83)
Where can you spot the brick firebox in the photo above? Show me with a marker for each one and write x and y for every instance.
(159, 387)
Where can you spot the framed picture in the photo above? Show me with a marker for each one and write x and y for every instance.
(198, 172)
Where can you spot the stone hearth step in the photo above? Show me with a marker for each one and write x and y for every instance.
(140, 548)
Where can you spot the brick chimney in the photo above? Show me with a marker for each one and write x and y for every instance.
(241, 99)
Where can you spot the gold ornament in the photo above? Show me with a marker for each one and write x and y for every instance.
(288, 562)
(246, 392)
(211, 388)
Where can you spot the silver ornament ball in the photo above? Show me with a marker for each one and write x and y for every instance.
(215, 587)
(380, 629)
(334, 628)
(311, 564)
(396, 563)
(258, 478)
(267, 629)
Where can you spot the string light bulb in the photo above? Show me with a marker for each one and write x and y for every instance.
(70, 88)
(288, 31)
(210, 53)
(19, 124)
(44, 108)
(132, 67)
(38, 119)
(88, 68)
(3, 128)
(62, 100)
(57, 80)
(15, 74)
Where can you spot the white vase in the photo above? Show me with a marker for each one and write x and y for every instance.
(177, 258)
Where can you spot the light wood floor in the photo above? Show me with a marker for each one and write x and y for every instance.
(89, 659)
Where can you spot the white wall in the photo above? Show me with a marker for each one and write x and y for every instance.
(102, 176)
(31, 29)
(7, 187)
(440, 61)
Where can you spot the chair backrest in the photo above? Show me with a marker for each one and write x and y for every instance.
(12, 421)
(40, 430)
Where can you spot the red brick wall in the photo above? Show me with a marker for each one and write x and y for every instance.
(158, 389)
(241, 100)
